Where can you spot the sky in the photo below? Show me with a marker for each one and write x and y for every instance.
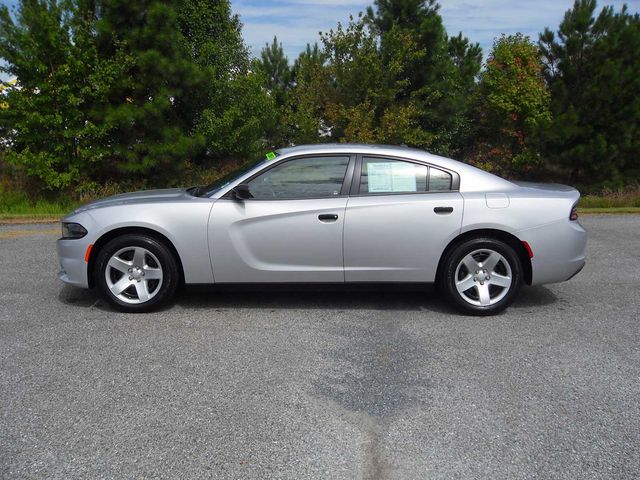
(297, 22)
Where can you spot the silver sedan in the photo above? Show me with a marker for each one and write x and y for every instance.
(331, 214)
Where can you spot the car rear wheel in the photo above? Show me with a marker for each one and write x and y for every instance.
(482, 276)
(136, 273)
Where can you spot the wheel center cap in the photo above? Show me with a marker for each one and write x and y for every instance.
(137, 273)
(482, 275)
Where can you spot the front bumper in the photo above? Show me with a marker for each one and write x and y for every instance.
(73, 268)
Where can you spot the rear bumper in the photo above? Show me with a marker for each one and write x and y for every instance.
(559, 251)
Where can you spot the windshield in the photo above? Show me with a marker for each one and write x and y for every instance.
(238, 172)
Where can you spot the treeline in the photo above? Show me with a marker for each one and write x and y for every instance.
(149, 92)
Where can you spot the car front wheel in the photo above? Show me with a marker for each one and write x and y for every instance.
(482, 276)
(136, 273)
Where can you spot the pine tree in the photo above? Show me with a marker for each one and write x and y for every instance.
(150, 136)
(273, 64)
(593, 69)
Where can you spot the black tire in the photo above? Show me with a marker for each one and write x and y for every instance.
(164, 289)
(503, 296)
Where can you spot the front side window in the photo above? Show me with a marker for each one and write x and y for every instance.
(382, 175)
(311, 177)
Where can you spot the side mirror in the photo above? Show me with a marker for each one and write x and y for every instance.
(242, 192)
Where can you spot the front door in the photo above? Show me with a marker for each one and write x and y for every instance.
(289, 231)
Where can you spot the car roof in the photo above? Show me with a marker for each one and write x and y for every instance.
(351, 147)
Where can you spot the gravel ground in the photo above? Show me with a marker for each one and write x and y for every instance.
(330, 384)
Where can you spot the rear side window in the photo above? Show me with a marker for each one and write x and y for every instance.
(383, 175)
(310, 177)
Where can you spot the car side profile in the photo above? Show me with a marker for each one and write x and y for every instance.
(331, 214)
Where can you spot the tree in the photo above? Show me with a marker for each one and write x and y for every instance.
(592, 67)
(229, 110)
(354, 88)
(512, 103)
(151, 137)
(277, 80)
(127, 91)
(442, 78)
(49, 130)
(273, 64)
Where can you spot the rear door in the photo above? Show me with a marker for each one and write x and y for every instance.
(399, 218)
(290, 231)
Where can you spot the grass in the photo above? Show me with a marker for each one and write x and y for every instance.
(628, 197)
(17, 207)
(599, 210)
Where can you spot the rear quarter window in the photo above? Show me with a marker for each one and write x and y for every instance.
(439, 180)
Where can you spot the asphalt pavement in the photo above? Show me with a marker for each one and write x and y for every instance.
(321, 384)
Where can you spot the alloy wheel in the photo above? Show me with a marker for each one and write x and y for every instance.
(133, 275)
(483, 277)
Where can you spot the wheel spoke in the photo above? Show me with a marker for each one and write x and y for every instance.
(141, 290)
(492, 260)
(470, 263)
(138, 257)
(465, 284)
(483, 294)
(119, 264)
(120, 286)
(500, 280)
(152, 273)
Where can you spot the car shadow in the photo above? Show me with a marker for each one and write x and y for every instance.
(537, 296)
(301, 297)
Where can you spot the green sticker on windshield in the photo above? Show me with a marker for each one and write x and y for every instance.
(271, 155)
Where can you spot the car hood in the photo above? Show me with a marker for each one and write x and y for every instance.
(145, 196)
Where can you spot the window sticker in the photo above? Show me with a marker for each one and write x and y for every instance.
(391, 177)
(271, 155)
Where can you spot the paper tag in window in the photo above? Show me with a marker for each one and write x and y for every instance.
(391, 177)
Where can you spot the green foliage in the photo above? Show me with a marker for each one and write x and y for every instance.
(274, 66)
(126, 91)
(277, 79)
(356, 88)
(18, 203)
(593, 69)
(48, 124)
(113, 94)
(626, 197)
(228, 110)
(441, 80)
(512, 103)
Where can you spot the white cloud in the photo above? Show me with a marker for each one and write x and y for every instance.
(297, 22)
(294, 22)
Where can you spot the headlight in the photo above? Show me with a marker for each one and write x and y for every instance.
(73, 230)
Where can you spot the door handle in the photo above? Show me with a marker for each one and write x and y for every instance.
(328, 217)
(443, 210)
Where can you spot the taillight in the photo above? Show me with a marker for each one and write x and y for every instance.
(573, 216)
